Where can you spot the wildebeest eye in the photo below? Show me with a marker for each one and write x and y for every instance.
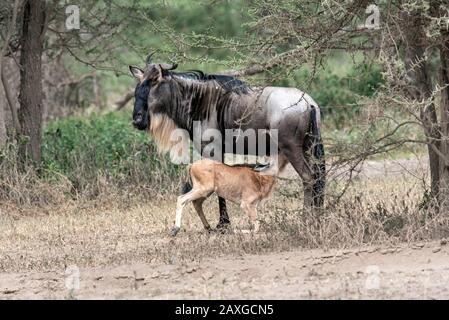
(142, 90)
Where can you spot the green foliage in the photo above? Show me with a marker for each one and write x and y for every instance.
(84, 148)
(217, 35)
(338, 91)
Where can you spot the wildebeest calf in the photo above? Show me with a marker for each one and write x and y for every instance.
(241, 184)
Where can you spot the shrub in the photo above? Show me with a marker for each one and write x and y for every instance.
(82, 149)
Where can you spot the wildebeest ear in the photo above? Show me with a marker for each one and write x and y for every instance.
(136, 72)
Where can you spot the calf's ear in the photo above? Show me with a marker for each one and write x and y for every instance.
(136, 72)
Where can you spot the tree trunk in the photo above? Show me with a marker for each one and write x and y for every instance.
(420, 88)
(444, 163)
(30, 96)
(10, 98)
(2, 127)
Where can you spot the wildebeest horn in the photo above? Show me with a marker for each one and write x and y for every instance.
(167, 66)
(148, 60)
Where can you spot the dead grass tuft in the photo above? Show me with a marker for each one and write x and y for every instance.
(120, 228)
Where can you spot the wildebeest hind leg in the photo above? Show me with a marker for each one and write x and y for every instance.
(298, 160)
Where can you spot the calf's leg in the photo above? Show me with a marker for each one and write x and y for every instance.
(182, 201)
(251, 211)
(198, 204)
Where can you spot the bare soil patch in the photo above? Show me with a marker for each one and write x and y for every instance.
(419, 271)
(377, 242)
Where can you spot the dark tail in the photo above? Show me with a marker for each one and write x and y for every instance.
(187, 186)
(318, 162)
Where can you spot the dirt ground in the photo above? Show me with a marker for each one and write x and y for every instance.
(419, 271)
(123, 252)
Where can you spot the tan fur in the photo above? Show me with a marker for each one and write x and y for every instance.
(161, 128)
(239, 184)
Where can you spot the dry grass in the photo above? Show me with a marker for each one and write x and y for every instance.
(124, 228)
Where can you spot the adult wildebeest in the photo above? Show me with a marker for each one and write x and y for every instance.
(242, 184)
(166, 100)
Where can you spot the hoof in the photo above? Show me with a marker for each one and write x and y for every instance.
(174, 231)
(223, 225)
(223, 230)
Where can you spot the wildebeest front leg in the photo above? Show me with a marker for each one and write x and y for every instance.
(224, 218)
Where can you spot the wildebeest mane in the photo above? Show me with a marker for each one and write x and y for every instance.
(199, 97)
(195, 96)
(228, 83)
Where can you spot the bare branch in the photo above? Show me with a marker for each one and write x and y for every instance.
(124, 100)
